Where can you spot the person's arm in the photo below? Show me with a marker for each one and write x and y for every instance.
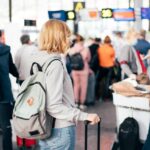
(147, 56)
(88, 55)
(89, 59)
(12, 67)
(18, 58)
(55, 104)
(124, 60)
(113, 54)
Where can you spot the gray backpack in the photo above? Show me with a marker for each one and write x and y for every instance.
(30, 118)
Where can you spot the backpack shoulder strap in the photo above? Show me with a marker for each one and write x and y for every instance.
(32, 67)
(49, 63)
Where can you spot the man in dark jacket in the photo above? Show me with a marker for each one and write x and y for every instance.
(142, 45)
(6, 97)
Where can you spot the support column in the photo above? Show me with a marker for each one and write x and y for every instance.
(129, 3)
(76, 27)
(10, 10)
(138, 21)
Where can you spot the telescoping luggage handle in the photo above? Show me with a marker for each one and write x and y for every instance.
(98, 134)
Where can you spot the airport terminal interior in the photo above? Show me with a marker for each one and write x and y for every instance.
(112, 38)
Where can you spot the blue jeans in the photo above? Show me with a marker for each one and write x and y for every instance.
(61, 139)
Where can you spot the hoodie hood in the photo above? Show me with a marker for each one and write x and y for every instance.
(4, 49)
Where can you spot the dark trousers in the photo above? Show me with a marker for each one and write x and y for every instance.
(105, 75)
(5, 116)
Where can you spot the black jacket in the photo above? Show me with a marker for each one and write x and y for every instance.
(94, 62)
(6, 66)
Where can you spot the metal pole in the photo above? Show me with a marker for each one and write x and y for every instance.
(98, 136)
(86, 135)
(129, 3)
(10, 10)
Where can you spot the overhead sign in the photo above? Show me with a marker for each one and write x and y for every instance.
(126, 14)
(93, 14)
(71, 15)
(145, 13)
(29, 22)
(89, 14)
(78, 6)
(107, 13)
(60, 15)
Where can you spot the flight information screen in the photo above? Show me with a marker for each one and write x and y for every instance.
(145, 13)
(126, 14)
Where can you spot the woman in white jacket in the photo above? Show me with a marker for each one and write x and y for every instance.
(53, 41)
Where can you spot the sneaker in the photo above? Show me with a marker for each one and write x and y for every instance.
(83, 107)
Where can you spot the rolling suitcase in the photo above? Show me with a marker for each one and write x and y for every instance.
(90, 96)
(86, 135)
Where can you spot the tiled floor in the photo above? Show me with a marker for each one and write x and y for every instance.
(107, 112)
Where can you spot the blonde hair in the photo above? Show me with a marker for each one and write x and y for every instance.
(131, 35)
(54, 36)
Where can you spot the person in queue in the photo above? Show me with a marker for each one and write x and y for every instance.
(53, 41)
(6, 96)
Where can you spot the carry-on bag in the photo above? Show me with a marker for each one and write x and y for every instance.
(86, 135)
(24, 144)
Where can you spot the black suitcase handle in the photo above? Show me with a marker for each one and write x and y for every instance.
(98, 134)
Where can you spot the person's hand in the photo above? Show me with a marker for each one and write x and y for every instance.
(93, 118)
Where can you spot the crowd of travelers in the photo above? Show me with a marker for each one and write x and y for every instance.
(90, 66)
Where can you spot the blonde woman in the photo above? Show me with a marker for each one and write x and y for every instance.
(54, 41)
